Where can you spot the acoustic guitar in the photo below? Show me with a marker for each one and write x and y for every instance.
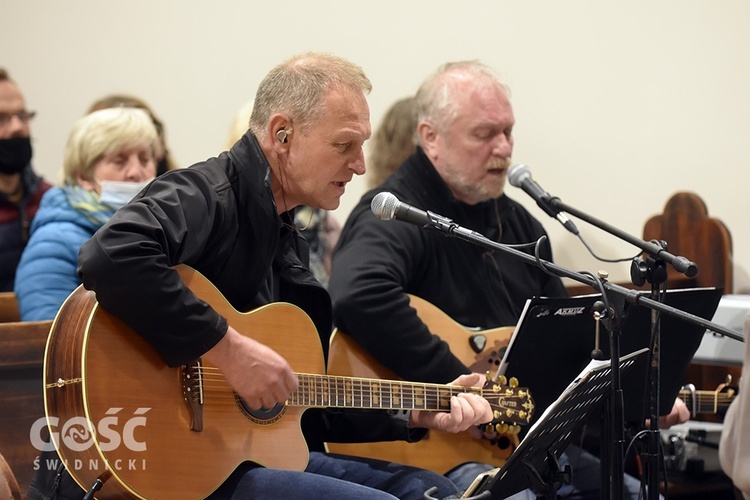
(439, 451)
(125, 422)
(703, 401)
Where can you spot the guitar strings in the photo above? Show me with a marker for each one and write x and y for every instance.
(708, 399)
(328, 390)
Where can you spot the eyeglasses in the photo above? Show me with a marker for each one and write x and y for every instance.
(24, 116)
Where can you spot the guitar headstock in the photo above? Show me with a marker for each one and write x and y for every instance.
(511, 405)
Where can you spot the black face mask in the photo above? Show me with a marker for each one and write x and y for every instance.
(15, 154)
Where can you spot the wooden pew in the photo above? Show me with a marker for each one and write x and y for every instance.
(9, 307)
(21, 394)
(689, 231)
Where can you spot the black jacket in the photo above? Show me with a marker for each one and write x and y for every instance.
(218, 217)
(377, 262)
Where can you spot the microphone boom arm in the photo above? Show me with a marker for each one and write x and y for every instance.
(630, 296)
(681, 264)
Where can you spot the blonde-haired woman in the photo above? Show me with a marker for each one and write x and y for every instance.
(164, 161)
(108, 158)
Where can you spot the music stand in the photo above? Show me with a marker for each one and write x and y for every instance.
(534, 463)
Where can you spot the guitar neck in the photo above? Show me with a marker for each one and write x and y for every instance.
(351, 392)
(706, 401)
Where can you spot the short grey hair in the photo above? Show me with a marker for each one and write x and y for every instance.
(434, 99)
(298, 87)
(105, 132)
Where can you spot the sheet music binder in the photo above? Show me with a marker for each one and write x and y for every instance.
(554, 429)
(554, 338)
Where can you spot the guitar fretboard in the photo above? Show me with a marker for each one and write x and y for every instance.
(350, 392)
(510, 404)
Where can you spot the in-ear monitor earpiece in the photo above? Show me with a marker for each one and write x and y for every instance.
(282, 134)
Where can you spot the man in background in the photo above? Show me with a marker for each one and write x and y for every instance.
(465, 136)
(20, 188)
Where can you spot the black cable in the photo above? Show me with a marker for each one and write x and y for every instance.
(591, 251)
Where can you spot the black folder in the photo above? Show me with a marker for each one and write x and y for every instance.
(554, 339)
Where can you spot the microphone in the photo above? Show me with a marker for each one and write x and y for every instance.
(386, 206)
(520, 176)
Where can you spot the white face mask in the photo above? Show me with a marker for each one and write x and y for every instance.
(117, 193)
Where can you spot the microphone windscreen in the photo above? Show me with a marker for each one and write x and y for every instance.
(384, 205)
(517, 174)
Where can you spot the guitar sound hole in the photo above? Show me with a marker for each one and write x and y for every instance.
(264, 416)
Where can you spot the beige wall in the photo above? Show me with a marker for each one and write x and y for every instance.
(618, 104)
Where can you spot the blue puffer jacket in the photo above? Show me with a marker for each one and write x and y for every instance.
(46, 274)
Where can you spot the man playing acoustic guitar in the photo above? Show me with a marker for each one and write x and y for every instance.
(465, 136)
(231, 219)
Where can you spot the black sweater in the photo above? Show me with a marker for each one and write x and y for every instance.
(376, 263)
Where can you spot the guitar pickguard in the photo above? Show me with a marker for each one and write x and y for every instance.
(488, 360)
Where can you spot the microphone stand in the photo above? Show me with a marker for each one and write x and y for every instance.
(625, 295)
(653, 269)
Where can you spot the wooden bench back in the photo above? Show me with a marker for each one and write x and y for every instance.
(689, 231)
(9, 307)
(21, 393)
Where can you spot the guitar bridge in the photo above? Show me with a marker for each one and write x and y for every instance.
(192, 393)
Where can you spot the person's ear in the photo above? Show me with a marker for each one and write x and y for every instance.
(427, 136)
(86, 183)
(280, 128)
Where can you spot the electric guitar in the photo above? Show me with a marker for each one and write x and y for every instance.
(439, 451)
(125, 422)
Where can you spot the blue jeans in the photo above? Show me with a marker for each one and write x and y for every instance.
(334, 477)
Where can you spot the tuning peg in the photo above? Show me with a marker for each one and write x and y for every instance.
(501, 428)
(502, 380)
(514, 429)
(497, 415)
(513, 382)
